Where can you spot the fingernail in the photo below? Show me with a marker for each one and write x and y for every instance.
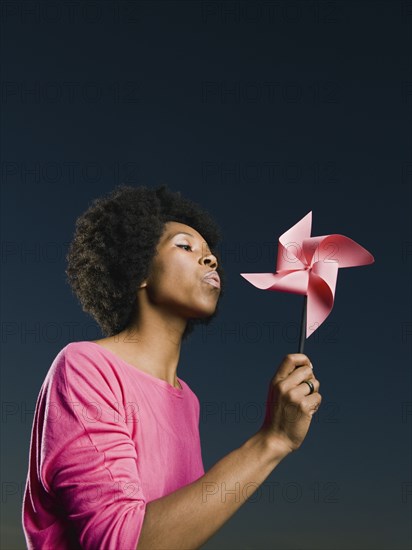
(311, 366)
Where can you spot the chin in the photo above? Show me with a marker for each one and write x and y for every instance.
(202, 313)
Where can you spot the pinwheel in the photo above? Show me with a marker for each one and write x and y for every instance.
(309, 266)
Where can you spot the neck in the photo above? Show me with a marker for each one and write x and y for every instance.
(152, 343)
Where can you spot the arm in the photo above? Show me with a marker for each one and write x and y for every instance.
(89, 465)
(188, 517)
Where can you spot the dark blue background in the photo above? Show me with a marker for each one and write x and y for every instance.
(259, 111)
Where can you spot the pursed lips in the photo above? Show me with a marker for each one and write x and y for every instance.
(212, 278)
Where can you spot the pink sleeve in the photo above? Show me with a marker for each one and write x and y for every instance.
(88, 459)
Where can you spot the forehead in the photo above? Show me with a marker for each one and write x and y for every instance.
(171, 228)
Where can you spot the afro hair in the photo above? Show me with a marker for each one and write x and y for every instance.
(114, 243)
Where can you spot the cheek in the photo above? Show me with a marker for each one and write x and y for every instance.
(170, 282)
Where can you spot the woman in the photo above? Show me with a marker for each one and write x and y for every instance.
(115, 455)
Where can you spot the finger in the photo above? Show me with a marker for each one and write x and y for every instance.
(294, 409)
(308, 389)
(312, 403)
(300, 392)
(290, 363)
(297, 377)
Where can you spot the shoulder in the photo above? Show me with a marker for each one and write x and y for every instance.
(85, 351)
(82, 364)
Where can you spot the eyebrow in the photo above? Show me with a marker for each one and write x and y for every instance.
(179, 233)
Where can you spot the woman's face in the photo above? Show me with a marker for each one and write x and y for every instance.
(176, 279)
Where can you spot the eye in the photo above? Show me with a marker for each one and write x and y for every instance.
(185, 245)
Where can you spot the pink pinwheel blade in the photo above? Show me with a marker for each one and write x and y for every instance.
(290, 253)
(294, 281)
(321, 294)
(336, 249)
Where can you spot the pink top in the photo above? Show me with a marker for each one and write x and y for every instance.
(106, 439)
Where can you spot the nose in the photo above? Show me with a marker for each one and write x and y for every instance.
(210, 260)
